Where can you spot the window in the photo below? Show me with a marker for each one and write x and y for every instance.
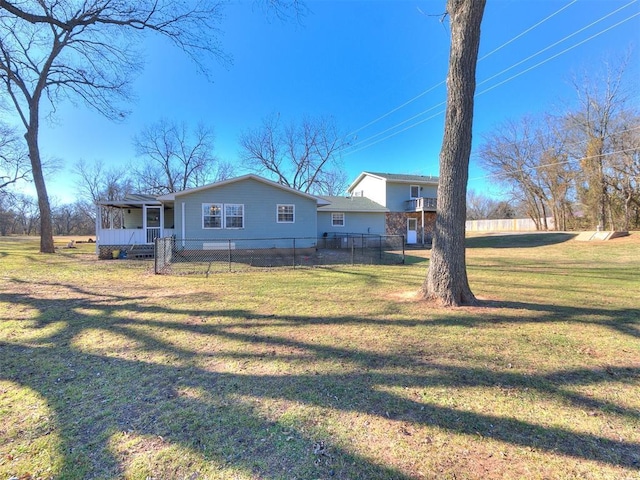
(337, 219)
(286, 213)
(414, 191)
(211, 215)
(218, 215)
(234, 216)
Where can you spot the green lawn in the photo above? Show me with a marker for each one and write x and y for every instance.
(108, 371)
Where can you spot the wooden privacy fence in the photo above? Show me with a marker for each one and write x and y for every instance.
(507, 225)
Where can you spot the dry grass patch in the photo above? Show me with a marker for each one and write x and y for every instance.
(108, 371)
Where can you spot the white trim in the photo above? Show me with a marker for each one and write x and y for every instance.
(145, 226)
(183, 226)
(202, 215)
(417, 179)
(344, 219)
(411, 187)
(293, 212)
(172, 196)
(414, 238)
(233, 216)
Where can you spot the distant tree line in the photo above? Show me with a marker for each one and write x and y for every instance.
(582, 168)
(174, 157)
(20, 215)
(89, 50)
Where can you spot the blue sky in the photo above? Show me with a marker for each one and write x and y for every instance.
(378, 67)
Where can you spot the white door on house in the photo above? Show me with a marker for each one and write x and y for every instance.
(412, 230)
(152, 223)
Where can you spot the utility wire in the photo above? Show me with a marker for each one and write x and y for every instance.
(368, 139)
(521, 34)
(557, 54)
(560, 41)
(527, 31)
(564, 162)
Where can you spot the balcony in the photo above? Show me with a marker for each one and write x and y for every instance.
(421, 204)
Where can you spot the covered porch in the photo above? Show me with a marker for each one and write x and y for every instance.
(134, 221)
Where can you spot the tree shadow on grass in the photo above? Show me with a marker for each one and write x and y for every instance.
(168, 396)
(523, 240)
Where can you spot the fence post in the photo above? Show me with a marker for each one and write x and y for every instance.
(155, 255)
(294, 253)
(403, 250)
(353, 248)
(229, 250)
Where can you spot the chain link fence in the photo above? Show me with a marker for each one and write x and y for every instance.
(205, 256)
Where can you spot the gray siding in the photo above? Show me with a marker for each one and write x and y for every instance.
(260, 202)
(354, 222)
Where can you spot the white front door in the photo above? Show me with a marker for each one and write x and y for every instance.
(152, 222)
(412, 230)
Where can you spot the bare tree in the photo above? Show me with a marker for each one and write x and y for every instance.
(446, 279)
(27, 214)
(14, 161)
(302, 155)
(71, 219)
(602, 99)
(176, 158)
(481, 207)
(555, 172)
(96, 183)
(58, 49)
(8, 216)
(624, 169)
(530, 157)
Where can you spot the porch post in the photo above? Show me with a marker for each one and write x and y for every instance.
(423, 227)
(98, 225)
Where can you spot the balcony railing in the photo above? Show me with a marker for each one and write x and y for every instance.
(422, 204)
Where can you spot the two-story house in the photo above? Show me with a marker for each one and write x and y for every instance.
(410, 201)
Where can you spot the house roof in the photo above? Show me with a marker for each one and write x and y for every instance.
(351, 204)
(131, 200)
(172, 196)
(396, 178)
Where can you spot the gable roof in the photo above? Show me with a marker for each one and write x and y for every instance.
(250, 176)
(396, 178)
(351, 204)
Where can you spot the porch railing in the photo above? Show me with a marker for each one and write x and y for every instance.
(153, 233)
(426, 204)
(131, 236)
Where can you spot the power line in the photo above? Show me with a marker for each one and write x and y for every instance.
(564, 162)
(368, 139)
(560, 41)
(399, 107)
(558, 54)
(527, 30)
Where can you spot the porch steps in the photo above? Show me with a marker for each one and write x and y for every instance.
(139, 252)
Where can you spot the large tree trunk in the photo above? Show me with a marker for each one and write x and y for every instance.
(446, 279)
(46, 225)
